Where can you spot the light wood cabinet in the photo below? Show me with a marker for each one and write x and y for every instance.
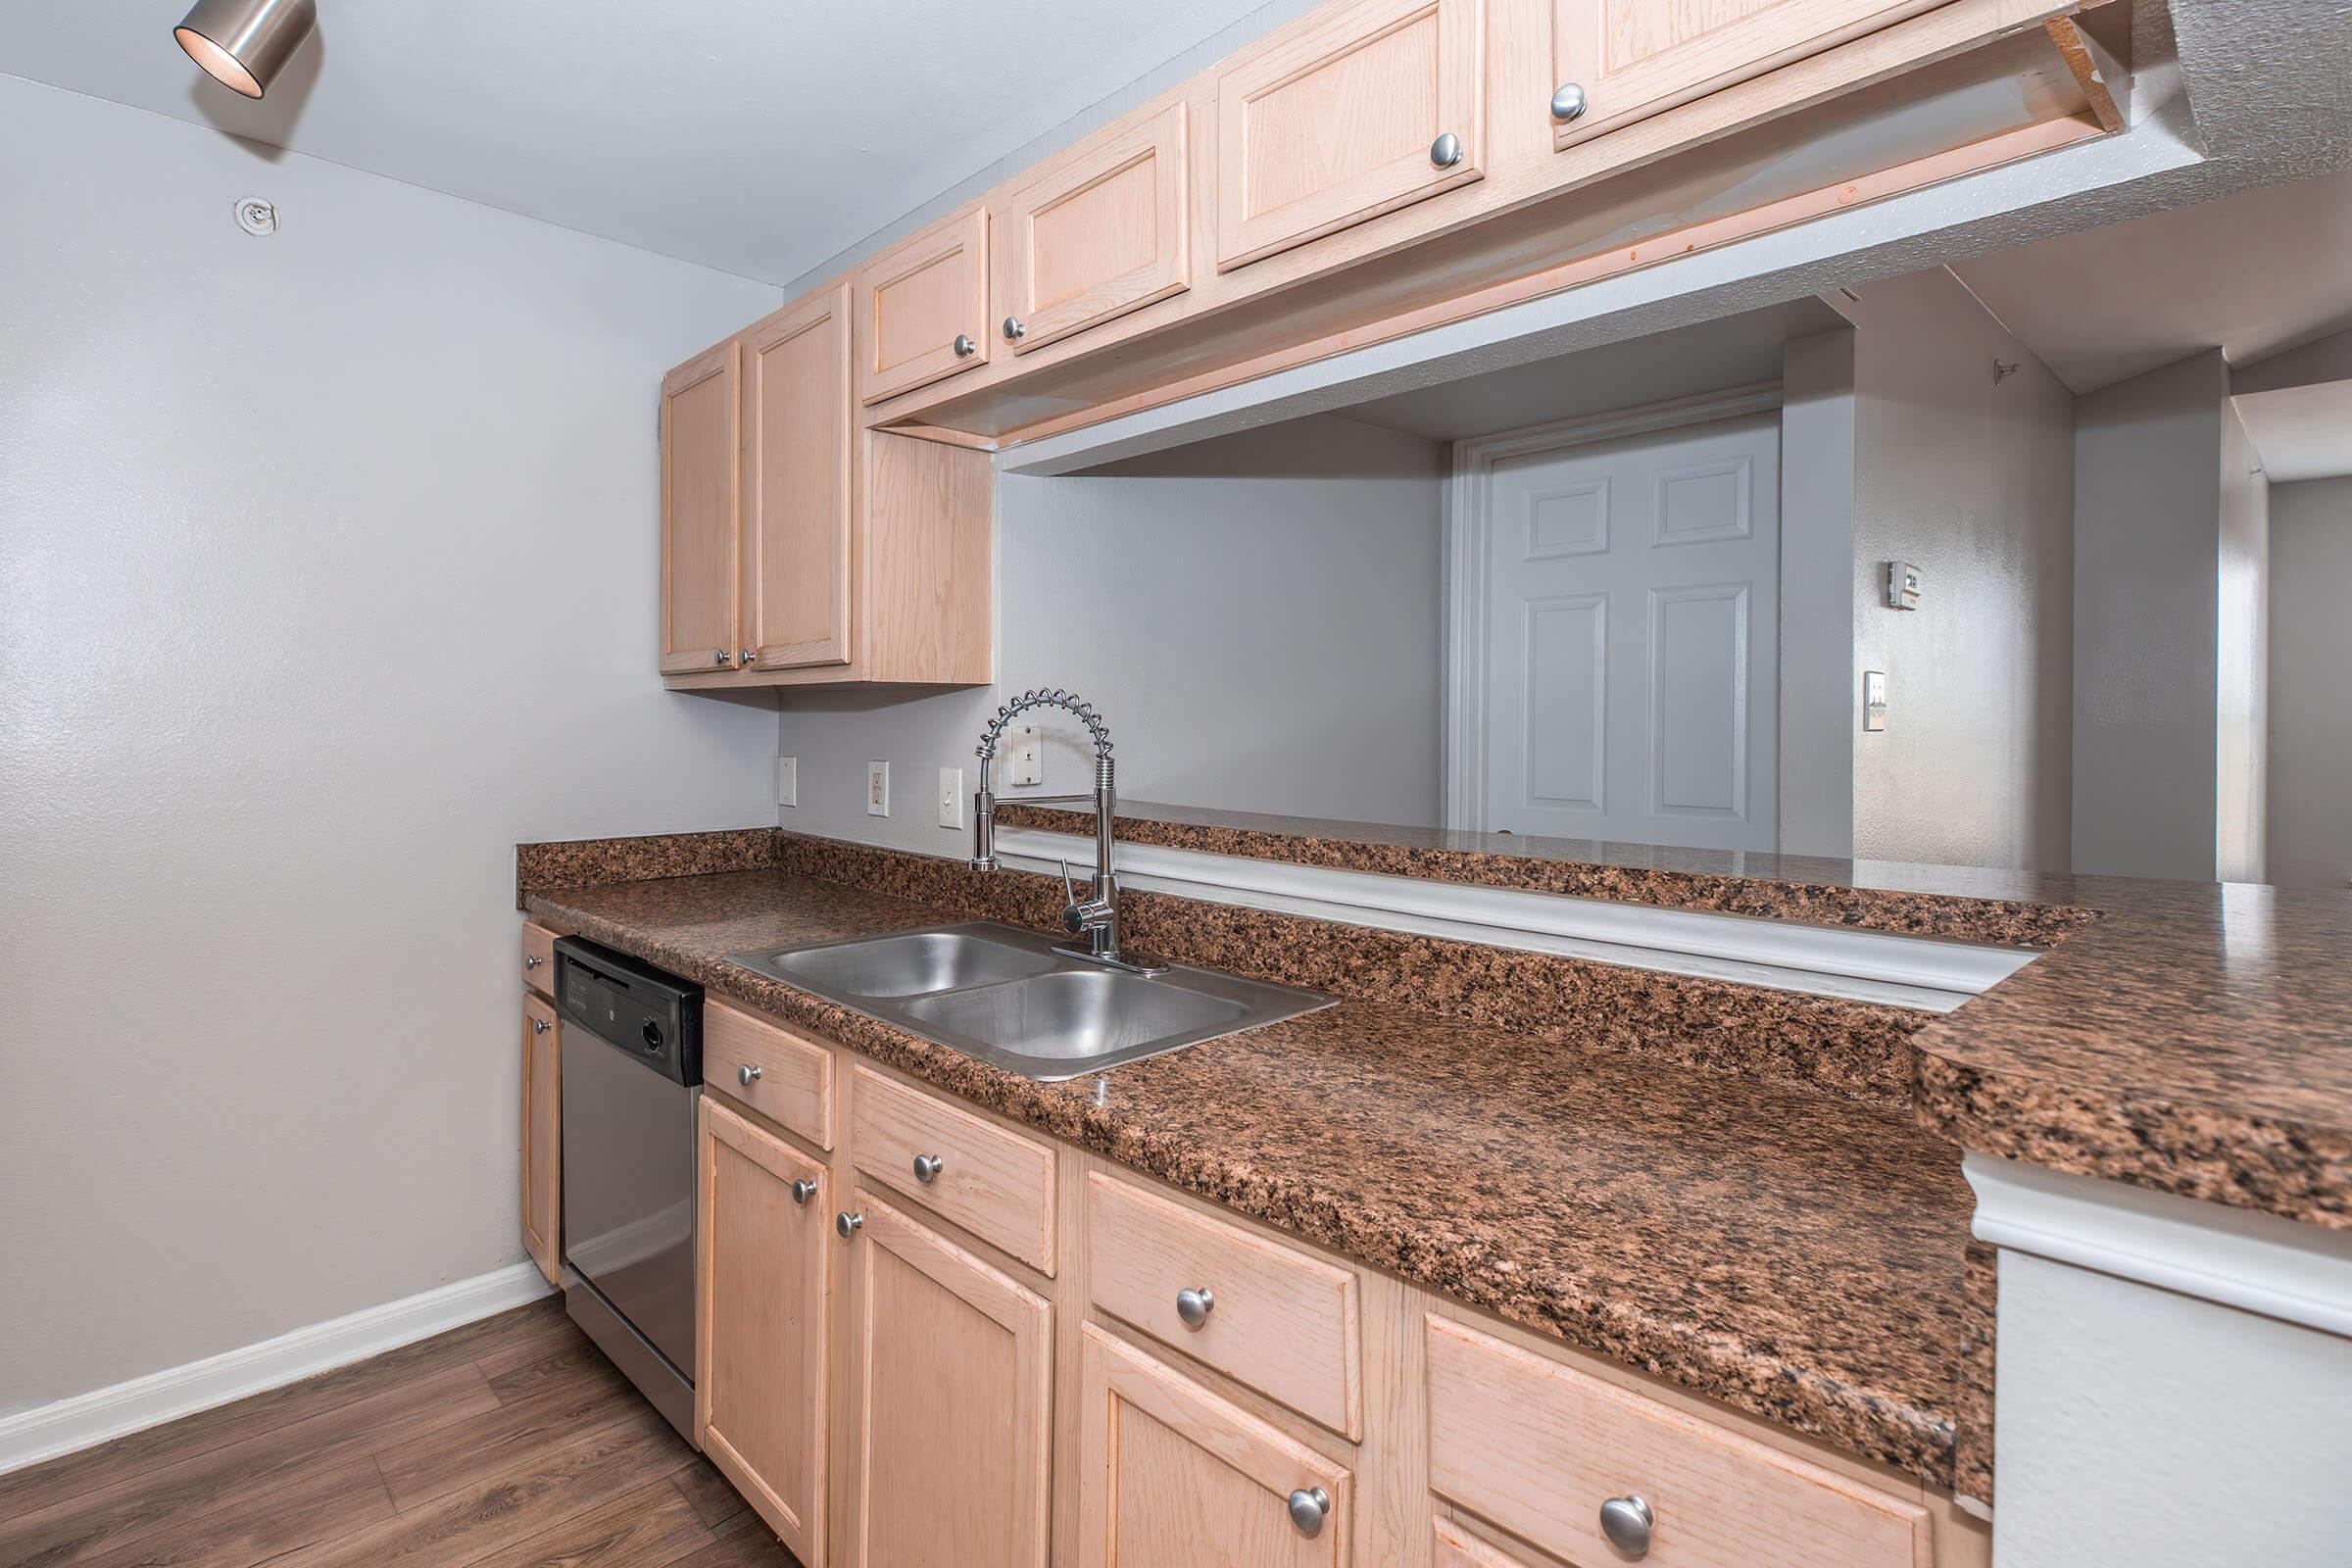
(702, 512)
(1102, 230)
(1171, 1476)
(994, 1181)
(949, 1402)
(763, 1256)
(922, 306)
(1336, 118)
(1633, 57)
(542, 1137)
(797, 484)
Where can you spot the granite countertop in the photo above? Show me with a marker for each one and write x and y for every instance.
(1789, 1253)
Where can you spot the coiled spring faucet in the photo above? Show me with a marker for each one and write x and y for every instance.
(1097, 916)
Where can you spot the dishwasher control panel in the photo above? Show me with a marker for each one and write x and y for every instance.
(631, 1006)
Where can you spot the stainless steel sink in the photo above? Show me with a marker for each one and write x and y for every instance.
(1014, 999)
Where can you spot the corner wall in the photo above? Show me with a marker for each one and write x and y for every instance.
(2310, 719)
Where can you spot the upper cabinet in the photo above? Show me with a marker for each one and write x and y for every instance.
(1103, 231)
(923, 306)
(797, 480)
(1355, 110)
(701, 513)
(1620, 60)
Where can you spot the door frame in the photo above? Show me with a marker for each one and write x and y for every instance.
(1466, 592)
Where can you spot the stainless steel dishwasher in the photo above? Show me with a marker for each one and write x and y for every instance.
(632, 1073)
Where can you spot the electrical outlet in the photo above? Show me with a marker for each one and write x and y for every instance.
(877, 789)
(951, 797)
(788, 781)
(1025, 761)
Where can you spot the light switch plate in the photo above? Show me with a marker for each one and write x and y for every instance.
(877, 789)
(951, 797)
(788, 781)
(1025, 760)
(1874, 700)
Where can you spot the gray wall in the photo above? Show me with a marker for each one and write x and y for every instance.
(1820, 705)
(1257, 618)
(2241, 678)
(2147, 597)
(2310, 781)
(1971, 482)
(328, 574)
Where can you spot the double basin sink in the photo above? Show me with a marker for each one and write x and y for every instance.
(1016, 999)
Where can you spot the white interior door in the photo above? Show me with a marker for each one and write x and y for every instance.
(1631, 609)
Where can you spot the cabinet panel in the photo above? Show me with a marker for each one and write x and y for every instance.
(1103, 232)
(542, 1137)
(763, 1274)
(951, 1384)
(994, 1181)
(1173, 1477)
(917, 299)
(701, 511)
(797, 483)
(1334, 120)
(1636, 57)
(539, 958)
(779, 1074)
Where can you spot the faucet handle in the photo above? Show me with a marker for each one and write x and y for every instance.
(1069, 891)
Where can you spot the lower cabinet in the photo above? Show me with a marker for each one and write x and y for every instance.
(1171, 1476)
(542, 1135)
(765, 1256)
(951, 1401)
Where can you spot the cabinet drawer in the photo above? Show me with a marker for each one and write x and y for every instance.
(785, 1078)
(992, 1181)
(1537, 1446)
(1283, 1322)
(539, 959)
(920, 301)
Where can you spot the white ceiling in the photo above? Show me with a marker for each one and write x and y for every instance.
(2252, 274)
(2300, 432)
(754, 136)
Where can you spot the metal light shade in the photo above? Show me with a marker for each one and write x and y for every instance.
(243, 44)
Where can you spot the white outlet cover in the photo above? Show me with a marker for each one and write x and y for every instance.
(877, 789)
(1026, 762)
(951, 797)
(788, 781)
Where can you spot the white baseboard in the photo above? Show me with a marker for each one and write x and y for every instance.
(87, 1419)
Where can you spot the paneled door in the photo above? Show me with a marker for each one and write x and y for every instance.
(923, 306)
(1628, 683)
(1631, 58)
(796, 403)
(951, 1394)
(1352, 110)
(1171, 1476)
(764, 1278)
(1102, 231)
(542, 1137)
(701, 511)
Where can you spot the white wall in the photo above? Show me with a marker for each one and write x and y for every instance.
(1970, 480)
(2310, 782)
(2241, 678)
(1257, 618)
(328, 567)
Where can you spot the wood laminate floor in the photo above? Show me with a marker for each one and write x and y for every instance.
(505, 1444)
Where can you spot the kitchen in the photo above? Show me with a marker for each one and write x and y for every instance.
(1596, 1076)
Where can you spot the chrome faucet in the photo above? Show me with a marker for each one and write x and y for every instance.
(1095, 917)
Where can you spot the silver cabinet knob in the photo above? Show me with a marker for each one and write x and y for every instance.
(538, 1026)
(532, 960)
(718, 655)
(803, 1190)
(965, 347)
(847, 1224)
(1310, 1507)
(746, 1075)
(1568, 102)
(927, 1168)
(1194, 1307)
(1446, 151)
(745, 656)
(1014, 331)
(1627, 1522)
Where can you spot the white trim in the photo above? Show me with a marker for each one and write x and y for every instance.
(86, 1419)
(2258, 1262)
(1466, 589)
(1825, 961)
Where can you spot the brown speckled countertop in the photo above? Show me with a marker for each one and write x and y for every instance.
(1791, 1253)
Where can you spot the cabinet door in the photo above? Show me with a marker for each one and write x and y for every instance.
(923, 307)
(1336, 118)
(795, 401)
(1102, 233)
(542, 1137)
(1633, 57)
(765, 1255)
(701, 511)
(1173, 1477)
(950, 1387)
